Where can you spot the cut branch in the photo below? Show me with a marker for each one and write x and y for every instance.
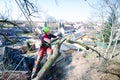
(87, 47)
(9, 22)
(12, 23)
(115, 55)
(5, 37)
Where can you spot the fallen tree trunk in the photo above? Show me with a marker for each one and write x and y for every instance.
(50, 61)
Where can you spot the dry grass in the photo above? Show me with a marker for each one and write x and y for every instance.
(88, 67)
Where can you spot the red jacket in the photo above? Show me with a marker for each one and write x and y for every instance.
(44, 43)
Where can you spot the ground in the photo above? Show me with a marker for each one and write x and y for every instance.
(84, 68)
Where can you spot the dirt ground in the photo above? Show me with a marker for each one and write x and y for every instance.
(90, 68)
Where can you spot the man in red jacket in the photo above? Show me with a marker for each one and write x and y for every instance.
(45, 48)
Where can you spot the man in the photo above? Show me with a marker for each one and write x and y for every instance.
(45, 48)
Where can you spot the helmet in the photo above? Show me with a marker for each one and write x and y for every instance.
(45, 29)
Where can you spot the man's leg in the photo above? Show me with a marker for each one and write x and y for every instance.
(49, 52)
(37, 63)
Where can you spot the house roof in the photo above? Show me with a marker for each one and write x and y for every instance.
(65, 47)
(77, 36)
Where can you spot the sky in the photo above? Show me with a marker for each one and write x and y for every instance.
(69, 10)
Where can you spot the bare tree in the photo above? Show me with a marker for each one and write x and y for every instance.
(110, 26)
(25, 7)
(109, 18)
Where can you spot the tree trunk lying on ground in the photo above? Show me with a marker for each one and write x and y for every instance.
(50, 61)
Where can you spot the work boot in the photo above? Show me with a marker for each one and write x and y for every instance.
(36, 68)
(33, 75)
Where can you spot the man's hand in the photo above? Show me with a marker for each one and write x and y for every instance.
(59, 37)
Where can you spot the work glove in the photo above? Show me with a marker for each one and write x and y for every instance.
(59, 37)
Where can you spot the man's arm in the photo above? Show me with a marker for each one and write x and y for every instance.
(53, 36)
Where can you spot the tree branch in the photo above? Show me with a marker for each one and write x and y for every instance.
(115, 55)
(9, 22)
(12, 23)
(87, 47)
(5, 37)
